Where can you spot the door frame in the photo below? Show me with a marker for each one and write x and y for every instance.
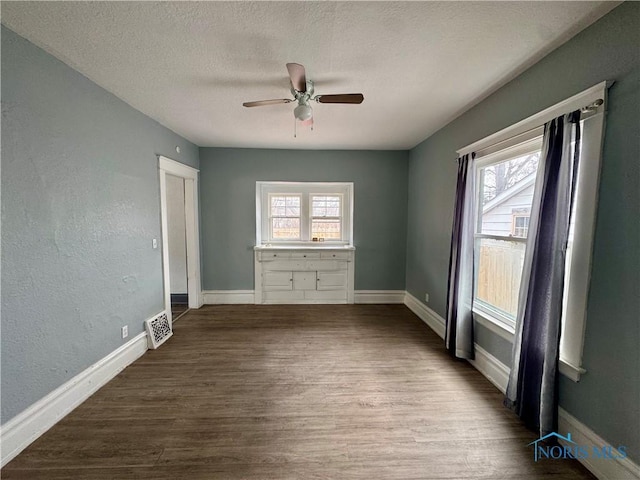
(167, 166)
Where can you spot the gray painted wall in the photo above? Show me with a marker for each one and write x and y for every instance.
(80, 206)
(228, 209)
(607, 399)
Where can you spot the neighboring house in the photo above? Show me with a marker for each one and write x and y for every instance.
(508, 213)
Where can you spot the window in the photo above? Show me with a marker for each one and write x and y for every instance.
(504, 178)
(303, 212)
(504, 184)
(520, 225)
(284, 218)
(326, 215)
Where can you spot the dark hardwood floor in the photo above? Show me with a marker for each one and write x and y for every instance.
(177, 310)
(293, 392)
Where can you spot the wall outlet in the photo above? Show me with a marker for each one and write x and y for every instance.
(154, 243)
(426, 297)
(125, 331)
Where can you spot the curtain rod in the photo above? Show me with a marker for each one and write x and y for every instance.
(587, 101)
(586, 112)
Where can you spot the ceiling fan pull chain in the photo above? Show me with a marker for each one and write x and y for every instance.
(294, 127)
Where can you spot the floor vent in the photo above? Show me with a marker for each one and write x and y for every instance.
(158, 330)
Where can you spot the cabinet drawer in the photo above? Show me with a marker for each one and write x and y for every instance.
(321, 265)
(270, 256)
(283, 265)
(332, 280)
(303, 255)
(335, 255)
(277, 281)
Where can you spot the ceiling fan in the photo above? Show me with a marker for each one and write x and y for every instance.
(303, 93)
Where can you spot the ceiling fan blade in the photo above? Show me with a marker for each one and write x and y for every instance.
(298, 78)
(262, 103)
(341, 98)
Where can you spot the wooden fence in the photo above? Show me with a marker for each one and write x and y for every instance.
(500, 271)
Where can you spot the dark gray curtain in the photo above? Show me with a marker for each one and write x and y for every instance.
(459, 328)
(533, 383)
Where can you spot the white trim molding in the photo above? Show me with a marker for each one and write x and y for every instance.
(23, 429)
(576, 102)
(231, 297)
(237, 297)
(228, 297)
(502, 330)
(602, 468)
(379, 296)
(493, 369)
(166, 167)
(424, 313)
(507, 332)
(305, 190)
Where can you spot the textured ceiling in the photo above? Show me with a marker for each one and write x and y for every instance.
(190, 65)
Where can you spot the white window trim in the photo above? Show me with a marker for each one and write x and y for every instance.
(572, 339)
(306, 189)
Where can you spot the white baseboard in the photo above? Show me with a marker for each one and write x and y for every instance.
(379, 296)
(428, 316)
(220, 297)
(492, 368)
(604, 469)
(23, 429)
(232, 297)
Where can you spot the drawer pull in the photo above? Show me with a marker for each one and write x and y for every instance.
(275, 254)
(304, 256)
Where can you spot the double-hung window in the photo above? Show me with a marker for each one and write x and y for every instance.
(326, 216)
(505, 168)
(304, 213)
(284, 216)
(505, 181)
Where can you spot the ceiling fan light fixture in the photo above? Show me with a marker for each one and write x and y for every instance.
(303, 112)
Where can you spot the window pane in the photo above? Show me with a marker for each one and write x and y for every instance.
(499, 273)
(282, 228)
(329, 229)
(325, 206)
(505, 194)
(285, 206)
(520, 225)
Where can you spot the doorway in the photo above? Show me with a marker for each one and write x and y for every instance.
(177, 237)
(180, 238)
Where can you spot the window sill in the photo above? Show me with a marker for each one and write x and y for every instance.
(496, 326)
(305, 246)
(507, 332)
(570, 371)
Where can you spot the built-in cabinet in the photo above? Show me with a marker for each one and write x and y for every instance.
(304, 275)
